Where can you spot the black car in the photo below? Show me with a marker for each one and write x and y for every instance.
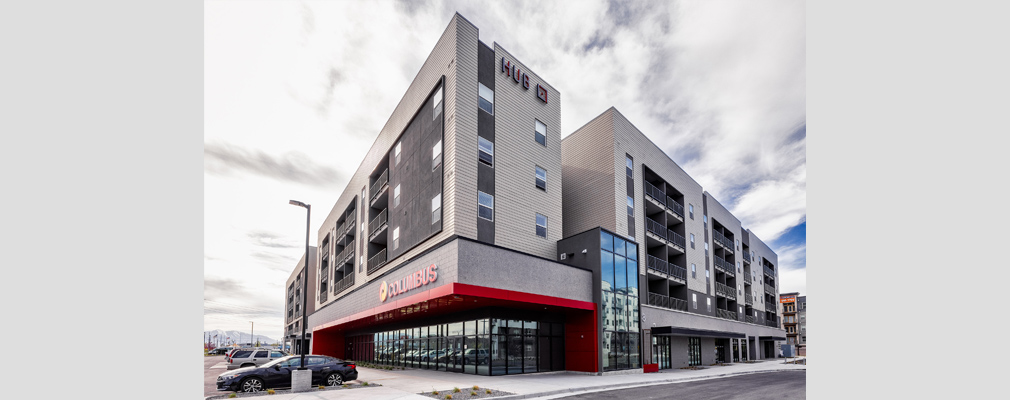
(326, 370)
(219, 350)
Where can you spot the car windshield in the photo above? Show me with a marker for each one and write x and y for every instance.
(277, 361)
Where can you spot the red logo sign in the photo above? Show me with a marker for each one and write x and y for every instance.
(542, 93)
(514, 72)
(413, 281)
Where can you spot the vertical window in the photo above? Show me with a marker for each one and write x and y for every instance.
(692, 240)
(629, 166)
(709, 302)
(694, 272)
(485, 206)
(485, 151)
(706, 246)
(541, 132)
(631, 206)
(690, 207)
(396, 196)
(541, 225)
(437, 109)
(396, 153)
(396, 238)
(436, 208)
(694, 300)
(705, 220)
(486, 99)
(436, 155)
(541, 178)
(707, 274)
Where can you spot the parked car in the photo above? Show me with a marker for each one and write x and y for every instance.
(475, 356)
(326, 370)
(252, 357)
(432, 355)
(219, 351)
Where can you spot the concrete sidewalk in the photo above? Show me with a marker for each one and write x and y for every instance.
(407, 384)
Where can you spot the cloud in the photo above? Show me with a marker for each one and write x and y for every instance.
(792, 268)
(270, 239)
(291, 167)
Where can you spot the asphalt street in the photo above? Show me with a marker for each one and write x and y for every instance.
(210, 375)
(764, 386)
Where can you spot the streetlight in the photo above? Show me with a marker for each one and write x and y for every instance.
(305, 279)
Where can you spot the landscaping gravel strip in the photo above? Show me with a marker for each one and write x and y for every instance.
(466, 393)
(350, 385)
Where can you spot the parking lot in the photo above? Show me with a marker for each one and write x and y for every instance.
(212, 367)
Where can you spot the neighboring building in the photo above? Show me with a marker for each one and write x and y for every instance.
(794, 320)
(446, 251)
(706, 287)
(293, 302)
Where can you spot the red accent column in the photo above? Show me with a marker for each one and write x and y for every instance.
(328, 343)
(581, 342)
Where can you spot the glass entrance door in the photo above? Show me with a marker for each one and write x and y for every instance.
(736, 350)
(661, 351)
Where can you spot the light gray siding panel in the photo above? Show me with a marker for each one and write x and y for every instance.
(483, 265)
(587, 171)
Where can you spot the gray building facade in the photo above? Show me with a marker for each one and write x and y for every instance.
(294, 292)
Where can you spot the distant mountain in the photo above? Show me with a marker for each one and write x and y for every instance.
(226, 337)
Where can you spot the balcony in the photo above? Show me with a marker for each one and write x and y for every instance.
(343, 284)
(675, 207)
(772, 323)
(377, 223)
(346, 252)
(725, 291)
(675, 239)
(750, 319)
(379, 185)
(746, 278)
(673, 270)
(770, 272)
(725, 314)
(770, 289)
(672, 303)
(748, 299)
(657, 195)
(655, 228)
(746, 257)
(725, 266)
(721, 240)
(377, 261)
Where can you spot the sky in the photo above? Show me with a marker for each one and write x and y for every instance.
(296, 92)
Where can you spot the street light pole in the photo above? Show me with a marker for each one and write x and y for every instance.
(252, 334)
(305, 279)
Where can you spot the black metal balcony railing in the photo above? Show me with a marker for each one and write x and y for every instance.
(673, 270)
(725, 314)
(725, 266)
(343, 283)
(378, 260)
(746, 277)
(721, 240)
(675, 238)
(654, 192)
(772, 323)
(725, 291)
(655, 228)
(674, 206)
(379, 184)
(748, 298)
(768, 271)
(377, 222)
(750, 319)
(672, 303)
(770, 289)
(325, 251)
(746, 256)
(346, 252)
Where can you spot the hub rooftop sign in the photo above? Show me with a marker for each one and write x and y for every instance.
(520, 77)
(413, 281)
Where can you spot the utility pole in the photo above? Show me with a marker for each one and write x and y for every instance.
(252, 336)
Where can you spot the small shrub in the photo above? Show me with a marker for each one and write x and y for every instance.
(232, 396)
(472, 393)
(488, 391)
(321, 387)
(448, 396)
(456, 390)
(364, 383)
(271, 391)
(475, 387)
(434, 392)
(345, 386)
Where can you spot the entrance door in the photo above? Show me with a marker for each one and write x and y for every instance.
(454, 357)
(720, 351)
(661, 351)
(736, 350)
(693, 351)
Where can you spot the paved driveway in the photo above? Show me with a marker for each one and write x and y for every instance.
(212, 367)
(788, 385)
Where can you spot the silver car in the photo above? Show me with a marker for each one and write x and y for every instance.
(253, 357)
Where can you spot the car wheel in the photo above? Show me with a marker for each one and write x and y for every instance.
(252, 385)
(334, 379)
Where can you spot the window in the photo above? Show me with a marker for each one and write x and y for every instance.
(436, 155)
(631, 206)
(436, 208)
(396, 196)
(486, 151)
(437, 108)
(396, 238)
(709, 303)
(541, 133)
(706, 246)
(707, 274)
(485, 206)
(694, 298)
(486, 99)
(690, 207)
(692, 241)
(541, 225)
(541, 178)
(396, 153)
(629, 166)
(694, 272)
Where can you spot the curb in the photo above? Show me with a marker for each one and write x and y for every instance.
(636, 384)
